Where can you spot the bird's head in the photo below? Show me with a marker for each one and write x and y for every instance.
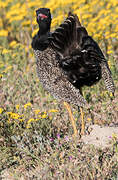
(43, 17)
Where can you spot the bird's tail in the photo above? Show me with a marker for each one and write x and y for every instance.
(106, 75)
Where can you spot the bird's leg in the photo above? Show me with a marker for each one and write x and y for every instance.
(83, 124)
(71, 117)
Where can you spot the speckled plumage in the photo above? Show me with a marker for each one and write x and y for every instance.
(107, 77)
(54, 80)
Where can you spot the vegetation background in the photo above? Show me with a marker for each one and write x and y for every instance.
(35, 132)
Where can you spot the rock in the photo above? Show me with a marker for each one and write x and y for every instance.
(101, 137)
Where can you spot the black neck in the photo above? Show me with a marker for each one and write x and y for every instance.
(40, 40)
(43, 30)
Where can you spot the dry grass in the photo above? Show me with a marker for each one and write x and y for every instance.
(46, 150)
(35, 132)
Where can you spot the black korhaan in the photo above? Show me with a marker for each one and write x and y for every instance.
(68, 58)
(70, 49)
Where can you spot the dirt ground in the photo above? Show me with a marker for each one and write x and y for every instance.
(101, 137)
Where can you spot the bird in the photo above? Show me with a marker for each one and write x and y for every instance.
(68, 59)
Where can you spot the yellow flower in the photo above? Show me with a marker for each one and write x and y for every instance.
(111, 95)
(34, 32)
(85, 16)
(109, 52)
(50, 117)
(13, 43)
(21, 120)
(44, 116)
(17, 106)
(75, 112)
(16, 18)
(89, 119)
(29, 123)
(27, 105)
(14, 55)
(1, 110)
(76, 119)
(3, 33)
(1, 75)
(37, 111)
(30, 120)
(25, 23)
(57, 20)
(113, 35)
(34, 23)
(5, 51)
(13, 115)
(3, 4)
(53, 110)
